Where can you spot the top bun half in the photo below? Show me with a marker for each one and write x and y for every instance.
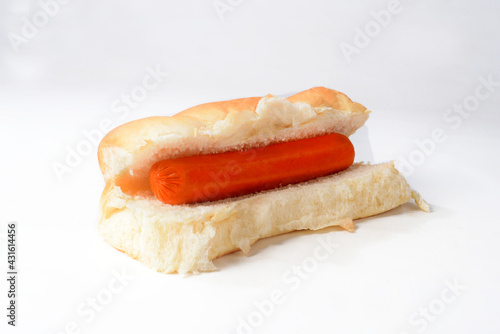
(127, 152)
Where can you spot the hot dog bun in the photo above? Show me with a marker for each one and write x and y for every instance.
(186, 238)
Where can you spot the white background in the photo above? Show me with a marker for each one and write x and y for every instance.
(64, 80)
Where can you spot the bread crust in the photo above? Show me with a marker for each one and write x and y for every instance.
(199, 128)
(128, 135)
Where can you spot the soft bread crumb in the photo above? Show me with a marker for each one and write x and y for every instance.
(421, 203)
(186, 238)
(348, 225)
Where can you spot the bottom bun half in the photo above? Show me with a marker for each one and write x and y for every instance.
(186, 238)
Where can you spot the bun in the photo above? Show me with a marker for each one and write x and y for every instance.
(186, 238)
(127, 153)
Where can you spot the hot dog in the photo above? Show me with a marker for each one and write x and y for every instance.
(182, 191)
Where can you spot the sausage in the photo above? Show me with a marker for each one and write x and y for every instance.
(213, 177)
